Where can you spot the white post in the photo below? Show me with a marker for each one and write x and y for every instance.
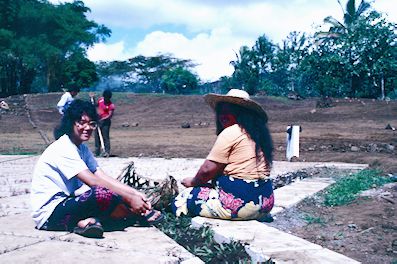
(292, 142)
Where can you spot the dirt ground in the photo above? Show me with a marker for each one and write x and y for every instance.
(365, 230)
(353, 130)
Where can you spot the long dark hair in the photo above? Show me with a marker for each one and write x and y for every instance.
(73, 113)
(254, 124)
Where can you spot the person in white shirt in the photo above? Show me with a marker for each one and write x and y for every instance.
(66, 99)
(65, 166)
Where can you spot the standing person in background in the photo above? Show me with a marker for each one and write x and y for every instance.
(105, 112)
(66, 99)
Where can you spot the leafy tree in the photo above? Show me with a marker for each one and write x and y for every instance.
(179, 81)
(246, 70)
(285, 65)
(341, 32)
(263, 51)
(354, 58)
(8, 61)
(221, 86)
(147, 73)
(252, 65)
(367, 55)
(78, 71)
(109, 68)
(375, 42)
(321, 73)
(37, 38)
(150, 70)
(267, 67)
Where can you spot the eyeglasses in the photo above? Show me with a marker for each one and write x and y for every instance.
(91, 124)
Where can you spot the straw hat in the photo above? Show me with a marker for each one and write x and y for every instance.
(235, 96)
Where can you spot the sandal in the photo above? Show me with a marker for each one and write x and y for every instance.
(91, 230)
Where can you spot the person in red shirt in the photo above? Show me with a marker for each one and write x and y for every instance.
(105, 111)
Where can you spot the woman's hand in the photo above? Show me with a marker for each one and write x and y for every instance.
(209, 170)
(188, 182)
(138, 203)
(134, 200)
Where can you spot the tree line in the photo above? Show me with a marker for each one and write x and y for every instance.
(155, 74)
(355, 58)
(43, 48)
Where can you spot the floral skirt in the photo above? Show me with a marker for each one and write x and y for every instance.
(230, 198)
(96, 202)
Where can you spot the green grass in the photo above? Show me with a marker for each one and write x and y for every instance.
(18, 151)
(345, 190)
(313, 220)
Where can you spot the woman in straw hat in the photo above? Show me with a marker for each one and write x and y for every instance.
(233, 182)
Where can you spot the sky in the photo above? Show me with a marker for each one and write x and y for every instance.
(208, 32)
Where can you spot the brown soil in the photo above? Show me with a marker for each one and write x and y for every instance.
(365, 230)
(353, 130)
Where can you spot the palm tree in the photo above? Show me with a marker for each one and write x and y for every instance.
(342, 31)
(246, 72)
(350, 16)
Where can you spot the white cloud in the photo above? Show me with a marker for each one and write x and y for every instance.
(212, 52)
(108, 52)
(275, 18)
(208, 31)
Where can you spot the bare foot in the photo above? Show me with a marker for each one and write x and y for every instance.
(89, 227)
(152, 216)
(83, 223)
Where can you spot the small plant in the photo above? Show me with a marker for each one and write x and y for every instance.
(200, 241)
(346, 189)
(339, 235)
(313, 220)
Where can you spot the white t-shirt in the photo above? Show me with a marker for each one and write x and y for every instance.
(55, 172)
(66, 99)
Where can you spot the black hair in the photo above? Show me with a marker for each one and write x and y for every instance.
(254, 124)
(107, 94)
(73, 89)
(73, 113)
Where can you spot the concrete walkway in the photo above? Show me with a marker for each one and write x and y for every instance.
(24, 244)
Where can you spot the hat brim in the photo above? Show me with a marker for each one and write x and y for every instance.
(213, 99)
